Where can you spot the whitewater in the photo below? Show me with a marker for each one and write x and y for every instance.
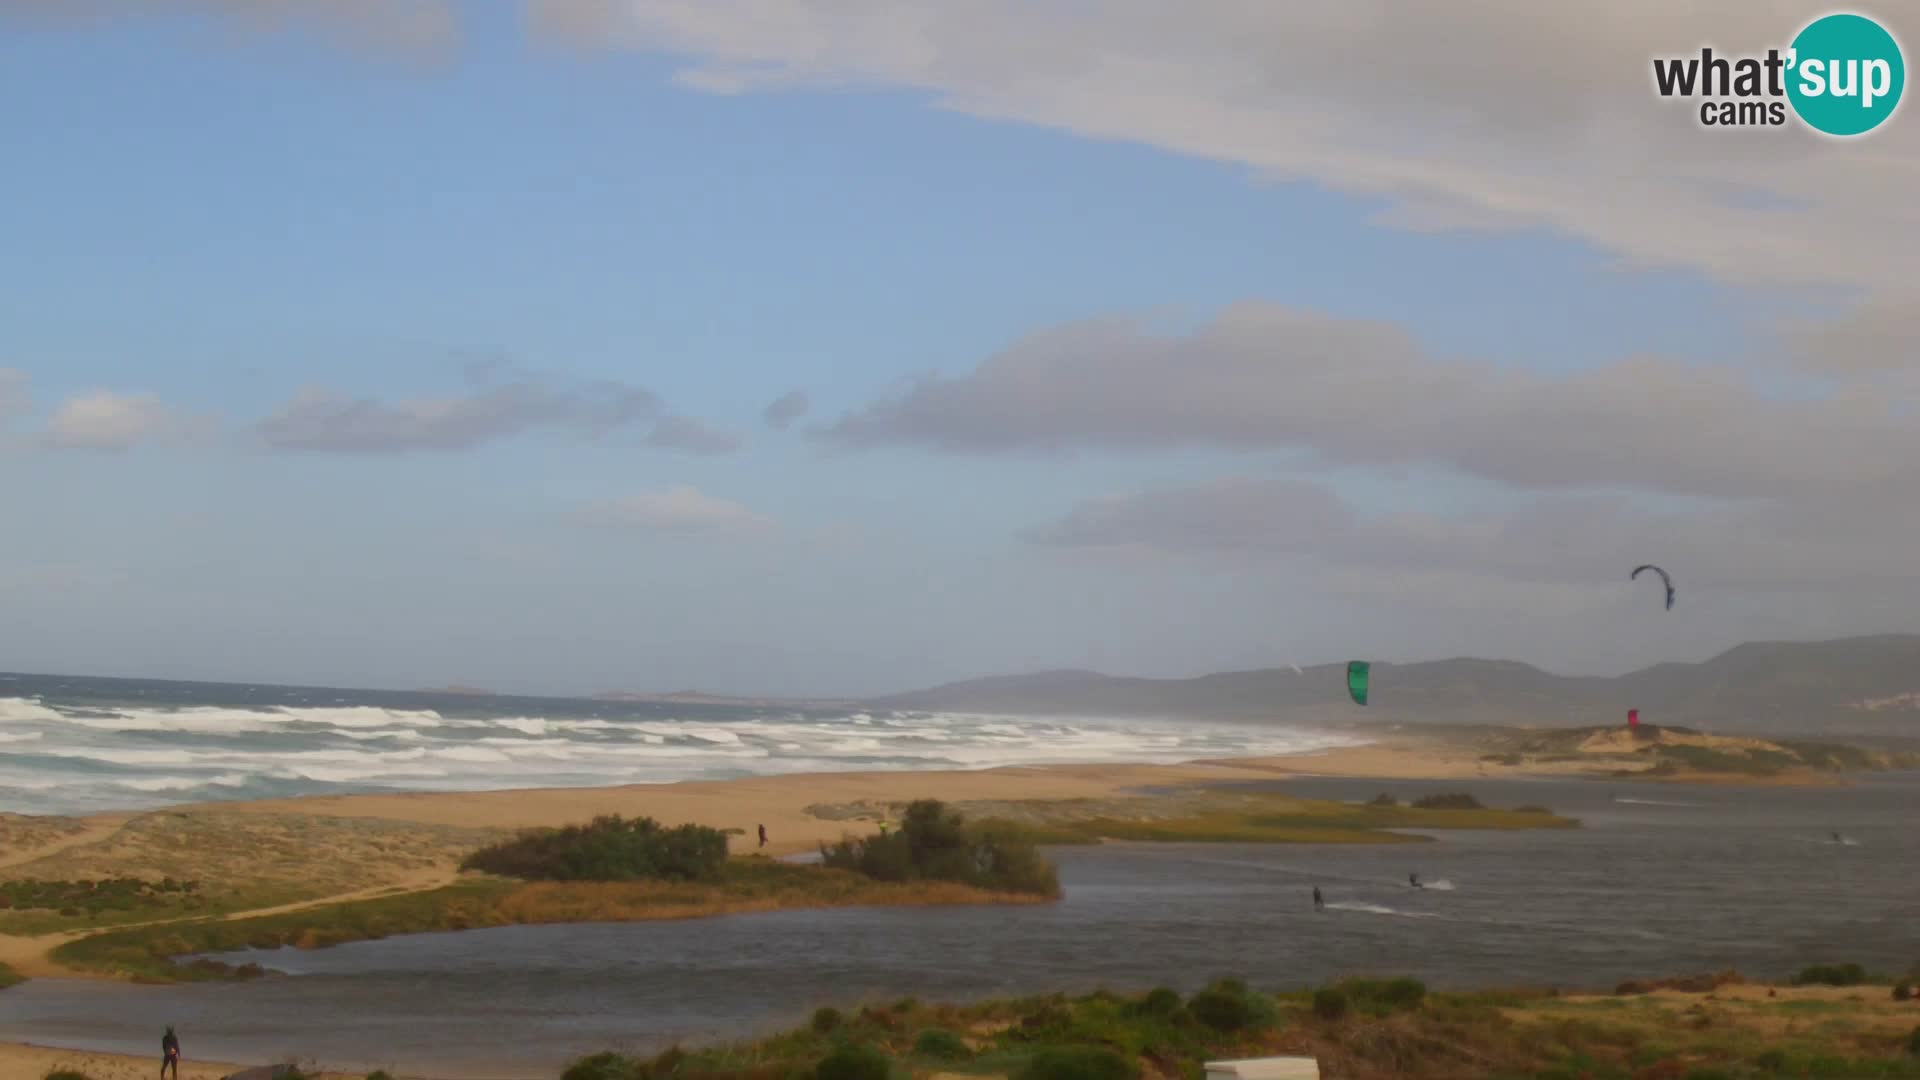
(77, 745)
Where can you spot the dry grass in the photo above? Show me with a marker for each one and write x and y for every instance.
(242, 861)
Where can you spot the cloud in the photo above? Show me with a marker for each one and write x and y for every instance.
(1263, 377)
(404, 25)
(693, 436)
(104, 420)
(1588, 541)
(1877, 338)
(319, 419)
(786, 408)
(1546, 108)
(678, 510)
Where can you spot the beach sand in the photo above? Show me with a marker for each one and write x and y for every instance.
(19, 1061)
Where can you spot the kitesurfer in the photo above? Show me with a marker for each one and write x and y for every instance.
(1318, 903)
(170, 1053)
(1414, 880)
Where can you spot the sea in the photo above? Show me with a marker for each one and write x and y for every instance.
(71, 745)
(1658, 880)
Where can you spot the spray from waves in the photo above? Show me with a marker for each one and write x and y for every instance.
(68, 754)
(1379, 909)
(1442, 885)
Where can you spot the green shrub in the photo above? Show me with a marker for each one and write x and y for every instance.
(1161, 1001)
(1078, 1063)
(1913, 1043)
(1708, 1074)
(1453, 800)
(1221, 1010)
(853, 1062)
(1772, 1061)
(1903, 992)
(827, 1019)
(935, 843)
(941, 1045)
(1329, 1003)
(1831, 975)
(1383, 799)
(603, 1066)
(379, 1074)
(610, 848)
(1382, 997)
(65, 1074)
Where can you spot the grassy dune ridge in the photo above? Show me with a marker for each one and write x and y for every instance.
(1359, 1029)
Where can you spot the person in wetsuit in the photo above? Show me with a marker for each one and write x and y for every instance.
(1414, 880)
(170, 1053)
(1318, 903)
(763, 836)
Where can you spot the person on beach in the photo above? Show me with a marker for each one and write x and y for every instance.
(1318, 904)
(1414, 880)
(170, 1054)
(763, 836)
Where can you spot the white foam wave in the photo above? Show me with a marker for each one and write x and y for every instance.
(313, 747)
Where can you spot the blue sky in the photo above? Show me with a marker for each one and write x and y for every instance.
(221, 219)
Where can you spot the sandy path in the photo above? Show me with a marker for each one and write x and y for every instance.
(98, 829)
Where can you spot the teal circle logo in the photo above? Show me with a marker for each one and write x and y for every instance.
(1846, 74)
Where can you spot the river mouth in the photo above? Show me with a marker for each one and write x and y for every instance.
(1743, 878)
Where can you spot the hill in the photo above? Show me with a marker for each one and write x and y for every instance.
(1853, 686)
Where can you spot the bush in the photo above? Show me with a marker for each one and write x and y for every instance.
(65, 1074)
(607, 849)
(379, 1074)
(1221, 1010)
(1382, 997)
(1913, 1043)
(1903, 992)
(1383, 799)
(1077, 1063)
(827, 1019)
(1329, 1003)
(935, 843)
(1161, 1001)
(941, 1045)
(603, 1066)
(1456, 800)
(854, 1063)
(1831, 975)
(1772, 1061)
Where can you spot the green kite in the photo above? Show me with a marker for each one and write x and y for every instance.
(1358, 674)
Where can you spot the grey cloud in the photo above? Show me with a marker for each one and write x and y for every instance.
(693, 436)
(1878, 337)
(1553, 541)
(319, 419)
(786, 408)
(407, 25)
(1267, 377)
(1557, 107)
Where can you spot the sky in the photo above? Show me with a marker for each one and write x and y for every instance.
(808, 347)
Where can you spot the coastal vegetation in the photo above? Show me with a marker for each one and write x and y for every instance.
(1233, 816)
(1666, 752)
(936, 843)
(1359, 1029)
(609, 870)
(609, 848)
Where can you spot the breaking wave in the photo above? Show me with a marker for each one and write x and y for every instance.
(70, 752)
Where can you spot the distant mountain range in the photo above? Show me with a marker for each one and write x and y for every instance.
(1854, 686)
